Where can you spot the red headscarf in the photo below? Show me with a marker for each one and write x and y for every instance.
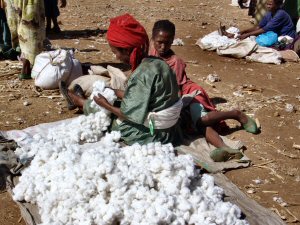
(125, 32)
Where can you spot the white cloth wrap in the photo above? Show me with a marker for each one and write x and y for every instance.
(165, 118)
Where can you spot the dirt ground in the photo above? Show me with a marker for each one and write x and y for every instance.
(261, 90)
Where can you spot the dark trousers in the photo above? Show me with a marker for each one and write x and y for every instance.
(5, 37)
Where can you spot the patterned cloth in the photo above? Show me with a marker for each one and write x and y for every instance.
(260, 10)
(26, 21)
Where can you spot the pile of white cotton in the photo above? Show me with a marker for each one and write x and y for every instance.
(101, 183)
(82, 129)
(214, 40)
(108, 93)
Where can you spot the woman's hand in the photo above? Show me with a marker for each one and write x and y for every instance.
(100, 100)
(243, 36)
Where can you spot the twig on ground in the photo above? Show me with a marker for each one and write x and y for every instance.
(283, 153)
(50, 96)
(271, 192)
(272, 170)
(20, 219)
(278, 213)
(295, 219)
(263, 164)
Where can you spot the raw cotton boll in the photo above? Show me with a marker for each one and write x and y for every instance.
(184, 205)
(156, 165)
(109, 94)
(76, 183)
(115, 181)
(233, 30)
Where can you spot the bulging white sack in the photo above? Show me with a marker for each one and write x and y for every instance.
(51, 67)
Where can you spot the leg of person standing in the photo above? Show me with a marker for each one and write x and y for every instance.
(29, 35)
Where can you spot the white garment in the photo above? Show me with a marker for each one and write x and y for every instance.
(165, 118)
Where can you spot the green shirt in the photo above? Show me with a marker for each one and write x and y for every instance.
(152, 87)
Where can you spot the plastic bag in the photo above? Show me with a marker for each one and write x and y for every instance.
(267, 39)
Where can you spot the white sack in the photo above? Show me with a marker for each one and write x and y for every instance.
(239, 50)
(51, 67)
(265, 55)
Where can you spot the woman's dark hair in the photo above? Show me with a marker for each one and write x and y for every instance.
(163, 25)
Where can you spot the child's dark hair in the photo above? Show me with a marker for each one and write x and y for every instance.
(163, 25)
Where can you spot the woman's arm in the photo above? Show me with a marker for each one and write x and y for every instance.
(249, 30)
(252, 33)
(119, 93)
(100, 100)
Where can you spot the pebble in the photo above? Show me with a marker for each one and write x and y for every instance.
(289, 108)
(26, 103)
(257, 181)
(213, 78)
(251, 191)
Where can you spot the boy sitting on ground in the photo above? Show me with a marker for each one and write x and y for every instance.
(203, 113)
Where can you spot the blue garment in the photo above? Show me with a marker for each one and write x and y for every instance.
(51, 8)
(281, 23)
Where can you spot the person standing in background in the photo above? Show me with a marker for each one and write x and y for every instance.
(51, 13)
(26, 21)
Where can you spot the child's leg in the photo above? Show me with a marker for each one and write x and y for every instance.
(214, 138)
(214, 117)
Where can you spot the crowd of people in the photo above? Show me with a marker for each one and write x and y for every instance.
(158, 79)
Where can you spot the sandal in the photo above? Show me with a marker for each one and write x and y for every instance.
(24, 76)
(250, 126)
(64, 91)
(225, 153)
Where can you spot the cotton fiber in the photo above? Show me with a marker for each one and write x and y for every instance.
(78, 183)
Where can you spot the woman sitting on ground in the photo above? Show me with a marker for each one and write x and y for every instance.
(151, 87)
(276, 20)
(202, 111)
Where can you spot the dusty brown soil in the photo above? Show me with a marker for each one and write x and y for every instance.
(266, 89)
